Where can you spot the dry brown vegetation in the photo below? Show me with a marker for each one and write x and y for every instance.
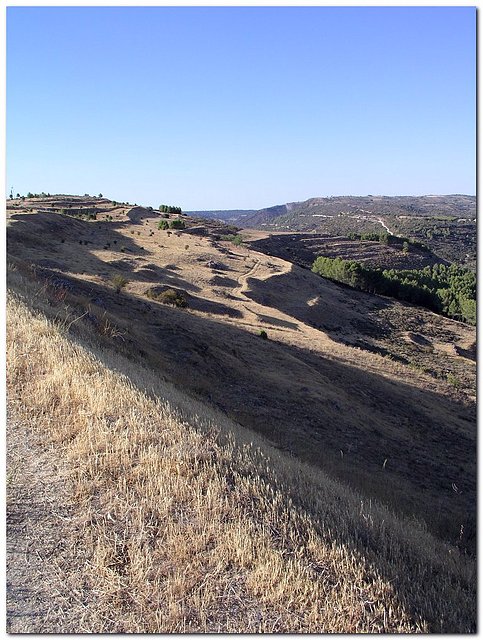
(185, 525)
(360, 409)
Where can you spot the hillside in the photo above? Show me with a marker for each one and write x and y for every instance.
(303, 248)
(357, 389)
(447, 224)
(228, 215)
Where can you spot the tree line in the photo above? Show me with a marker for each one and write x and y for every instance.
(448, 290)
(167, 208)
(387, 238)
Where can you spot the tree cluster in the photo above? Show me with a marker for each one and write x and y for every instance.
(388, 238)
(167, 208)
(449, 290)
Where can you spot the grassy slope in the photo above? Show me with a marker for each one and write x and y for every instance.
(316, 388)
(187, 526)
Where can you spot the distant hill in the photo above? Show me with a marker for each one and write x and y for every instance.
(290, 214)
(446, 223)
(228, 215)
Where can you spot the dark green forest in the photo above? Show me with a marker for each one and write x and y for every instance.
(448, 290)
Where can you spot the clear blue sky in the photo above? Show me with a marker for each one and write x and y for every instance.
(240, 107)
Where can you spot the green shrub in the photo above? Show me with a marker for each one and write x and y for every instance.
(169, 296)
(231, 237)
(453, 380)
(263, 334)
(118, 282)
(177, 224)
(162, 224)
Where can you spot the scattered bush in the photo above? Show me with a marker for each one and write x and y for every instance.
(118, 282)
(453, 380)
(168, 296)
(177, 224)
(162, 224)
(263, 334)
(235, 238)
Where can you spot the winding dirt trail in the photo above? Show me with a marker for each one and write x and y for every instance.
(243, 280)
(385, 227)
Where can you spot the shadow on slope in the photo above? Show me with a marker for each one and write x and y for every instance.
(181, 343)
(67, 244)
(406, 446)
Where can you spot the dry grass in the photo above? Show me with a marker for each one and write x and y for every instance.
(187, 526)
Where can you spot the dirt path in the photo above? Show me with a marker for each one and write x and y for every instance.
(43, 564)
(386, 227)
(243, 280)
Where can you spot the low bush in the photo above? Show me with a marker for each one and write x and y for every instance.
(168, 296)
(235, 238)
(177, 224)
(118, 282)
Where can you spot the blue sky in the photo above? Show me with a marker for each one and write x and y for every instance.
(241, 107)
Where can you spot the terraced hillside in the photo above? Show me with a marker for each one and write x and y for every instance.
(303, 249)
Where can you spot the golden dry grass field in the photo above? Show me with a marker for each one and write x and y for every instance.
(222, 482)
